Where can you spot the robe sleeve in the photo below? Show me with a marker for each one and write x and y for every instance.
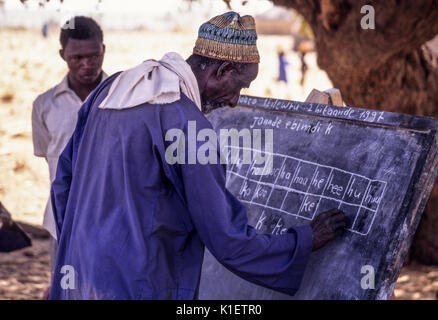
(273, 261)
(60, 188)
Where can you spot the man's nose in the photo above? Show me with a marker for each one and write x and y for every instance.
(87, 62)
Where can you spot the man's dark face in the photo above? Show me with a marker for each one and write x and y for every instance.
(84, 59)
(223, 86)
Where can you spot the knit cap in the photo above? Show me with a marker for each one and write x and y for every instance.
(228, 37)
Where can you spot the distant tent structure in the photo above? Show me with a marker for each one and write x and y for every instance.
(282, 21)
(277, 20)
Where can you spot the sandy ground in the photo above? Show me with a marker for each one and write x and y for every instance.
(25, 274)
(31, 65)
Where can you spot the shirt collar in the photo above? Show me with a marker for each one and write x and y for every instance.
(63, 85)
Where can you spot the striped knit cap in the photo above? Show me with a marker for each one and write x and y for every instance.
(228, 37)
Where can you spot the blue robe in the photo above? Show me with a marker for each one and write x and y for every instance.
(132, 226)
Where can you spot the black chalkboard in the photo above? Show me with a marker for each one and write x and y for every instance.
(378, 167)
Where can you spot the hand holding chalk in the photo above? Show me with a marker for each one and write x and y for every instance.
(326, 227)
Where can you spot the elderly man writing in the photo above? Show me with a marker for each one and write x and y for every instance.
(132, 226)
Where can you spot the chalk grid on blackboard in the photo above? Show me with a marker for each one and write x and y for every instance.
(303, 188)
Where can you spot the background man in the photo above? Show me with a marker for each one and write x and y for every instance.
(132, 225)
(54, 112)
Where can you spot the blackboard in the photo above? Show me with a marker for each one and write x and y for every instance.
(378, 167)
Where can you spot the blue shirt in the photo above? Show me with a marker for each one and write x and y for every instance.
(132, 226)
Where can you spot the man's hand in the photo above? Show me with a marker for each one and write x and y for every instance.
(327, 226)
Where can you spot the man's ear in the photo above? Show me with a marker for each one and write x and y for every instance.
(61, 53)
(103, 47)
(224, 68)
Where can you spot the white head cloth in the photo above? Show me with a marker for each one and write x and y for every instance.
(155, 82)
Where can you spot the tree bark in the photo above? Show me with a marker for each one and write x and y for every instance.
(387, 68)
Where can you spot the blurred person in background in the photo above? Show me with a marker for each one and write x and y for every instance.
(282, 65)
(282, 74)
(54, 112)
(303, 44)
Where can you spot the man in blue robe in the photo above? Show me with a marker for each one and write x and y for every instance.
(130, 224)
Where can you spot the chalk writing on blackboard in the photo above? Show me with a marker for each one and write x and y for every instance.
(304, 188)
(313, 108)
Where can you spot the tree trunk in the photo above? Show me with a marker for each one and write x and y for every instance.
(387, 68)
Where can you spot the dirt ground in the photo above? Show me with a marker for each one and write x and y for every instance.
(31, 65)
(24, 274)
